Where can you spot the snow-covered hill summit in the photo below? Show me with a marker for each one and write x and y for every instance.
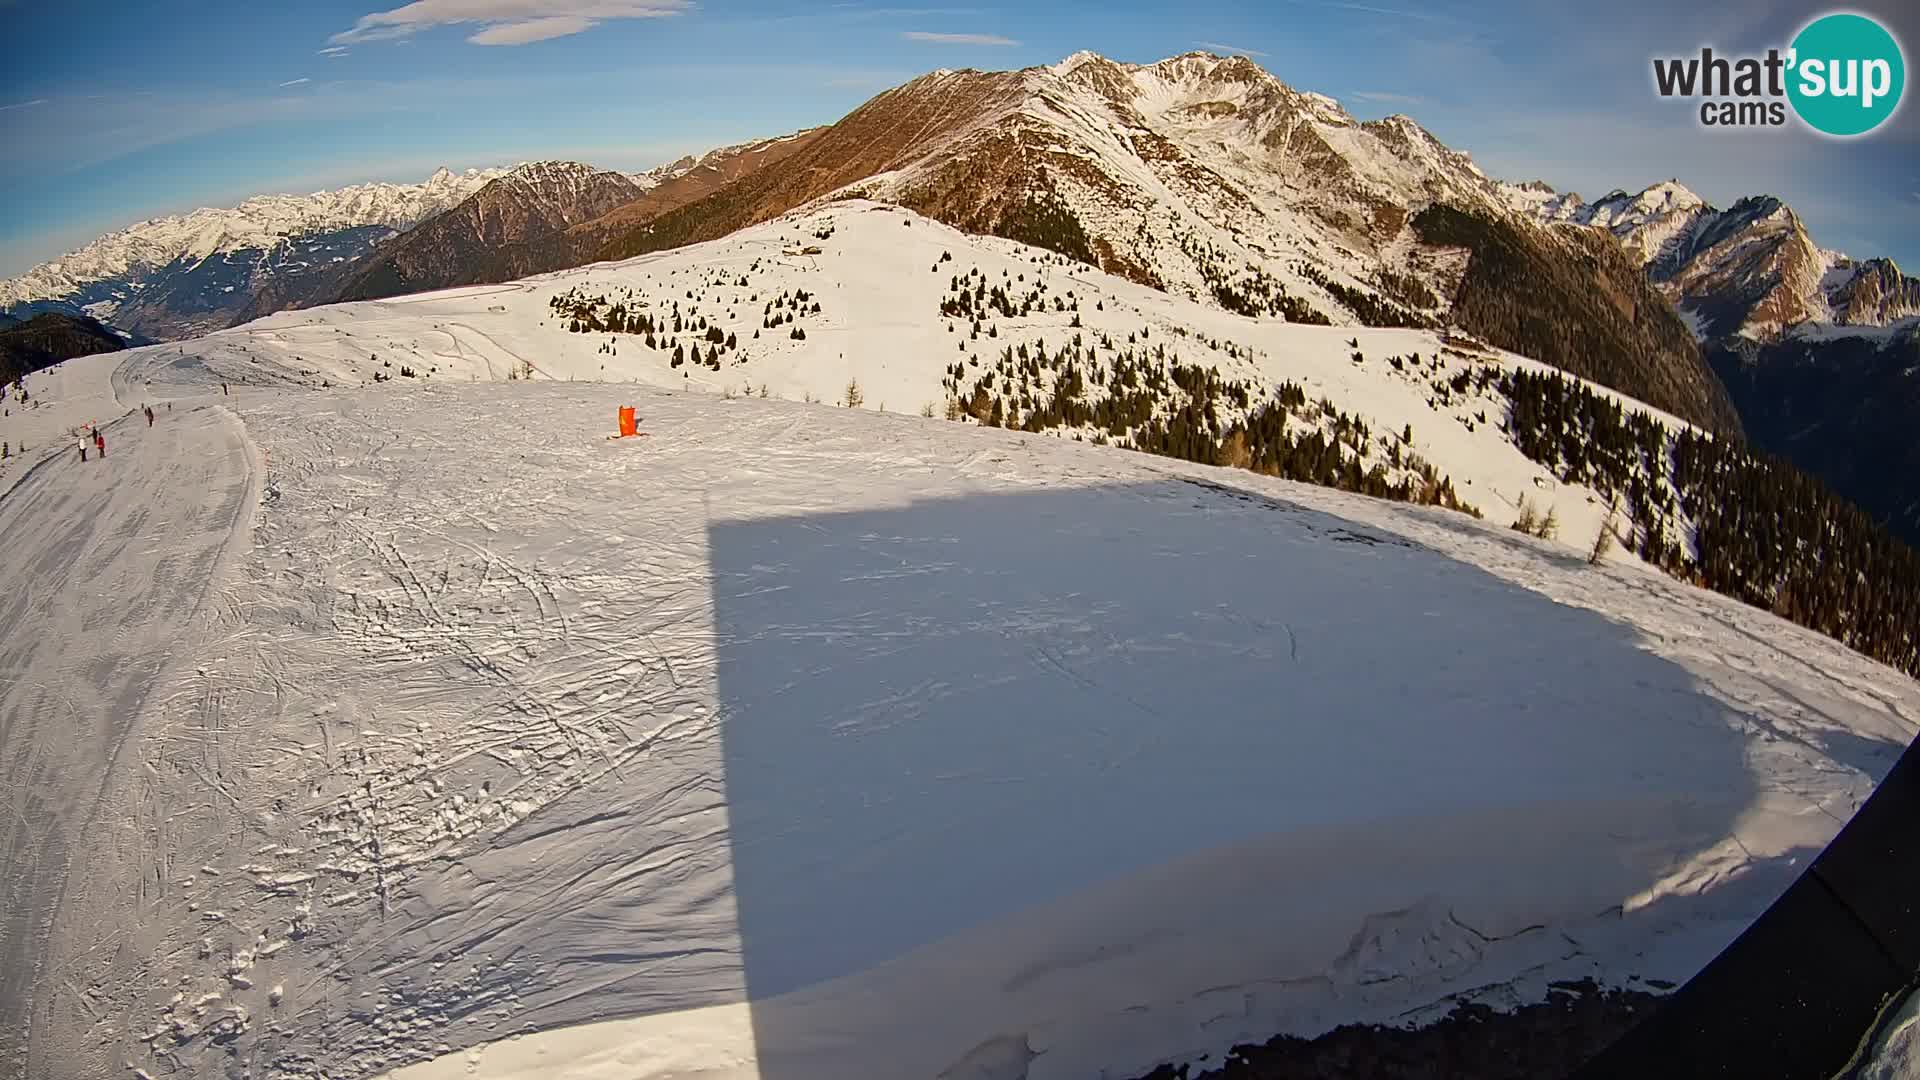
(1208, 178)
(921, 317)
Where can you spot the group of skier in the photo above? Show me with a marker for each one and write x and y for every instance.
(99, 439)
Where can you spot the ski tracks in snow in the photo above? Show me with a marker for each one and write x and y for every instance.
(448, 762)
(127, 550)
(375, 787)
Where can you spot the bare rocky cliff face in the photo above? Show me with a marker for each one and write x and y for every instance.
(1876, 294)
(1751, 270)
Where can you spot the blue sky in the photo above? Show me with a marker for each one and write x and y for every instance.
(114, 112)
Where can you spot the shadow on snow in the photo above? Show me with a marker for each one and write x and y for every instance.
(1158, 736)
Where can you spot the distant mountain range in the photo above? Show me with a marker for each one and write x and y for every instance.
(1750, 270)
(178, 277)
(1201, 175)
(184, 275)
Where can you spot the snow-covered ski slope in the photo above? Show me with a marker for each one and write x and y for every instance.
(798, 741)
(879, 278)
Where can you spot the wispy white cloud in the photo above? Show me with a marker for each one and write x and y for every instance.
(1399, 13)
(295, 82)
(957, 39)
(1231, 50)
(23, 104)
(504, 22)
(900, 12)
(334, 51)
(82, 133)
(1382, 97)
(522, 33)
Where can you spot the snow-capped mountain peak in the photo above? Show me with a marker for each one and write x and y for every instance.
(551, 170)
(1067, 66)
(1666, 197)
(1670, 195)
(1623, 211)
(561, 182)
(1750, 270)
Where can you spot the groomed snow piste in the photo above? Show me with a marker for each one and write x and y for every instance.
(356, 725)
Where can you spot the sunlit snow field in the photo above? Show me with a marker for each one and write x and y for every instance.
(351, 725)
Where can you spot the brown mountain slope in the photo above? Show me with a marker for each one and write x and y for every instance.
(1754, 266)
(685, 181)
(513, 227)
(897, 128)
(1573, 299)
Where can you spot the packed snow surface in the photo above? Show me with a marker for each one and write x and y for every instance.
(1896, 1052)
(353, 725)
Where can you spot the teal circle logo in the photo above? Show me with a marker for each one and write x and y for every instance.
(1846, 74)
